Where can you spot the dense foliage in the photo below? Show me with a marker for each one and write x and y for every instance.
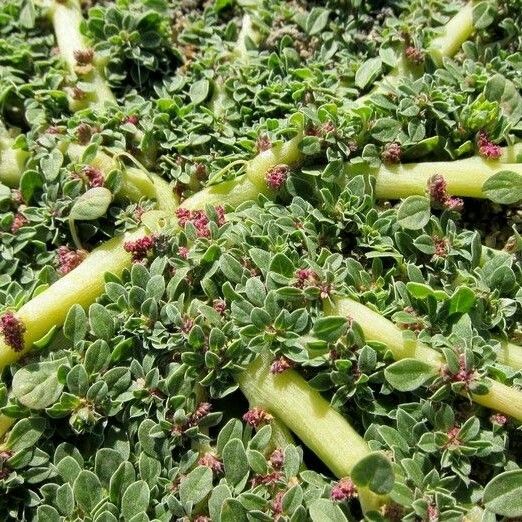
(260, 260)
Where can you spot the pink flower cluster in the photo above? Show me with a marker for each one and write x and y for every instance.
(486, 148)
(437, 190)
(391, 153)
(19, 221)
(13, 331)
(93, 176)
(276, 177)
(139, 248)
(211, 461)
(343, 490)
(199, 219)
(69, 259)
(255, 417)
(280, 365)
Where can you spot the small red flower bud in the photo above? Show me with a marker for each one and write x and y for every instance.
(84, 133)
(277, 505)
(437, 189)
(186, 324)
(219, 306)
(391, 153)
(414, 55)
(343, 490)
(267, 480)
(305, 277)
(256, 417)
(13, 331)
(433, 513)
(277, 176)
(280, 365)
(183, 216)
(69, 259)
(133, 119)
(19, 221)
(201, 411)
(263, 143)
(94, 176)
(455, 204)
(211, 461)
(83, 56)
(78, 93)
(277, 458)
(486, 148)
(498, 418)
(183, 252)
(139, 248)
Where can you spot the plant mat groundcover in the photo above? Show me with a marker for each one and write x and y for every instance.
(260, 260)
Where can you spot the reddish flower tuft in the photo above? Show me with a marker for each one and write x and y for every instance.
(183, 252)
(267, 480)
(486, 148)
(78, 93)
(277, 176)
(183, 216)
(437, 189)
(201, 411)
(219, 306)
(17, 197)
(464, 375)
(84, 133)
(498, 418)
(277, 458)
(139, 248)
(391, 153)
(13, 331)
(441, 247)
(453, 437)
(69, 259)
(454, 203)
(19, 221)
(133, 119)
(414, 55)
(94, 176)
(199, 219)
(83, 56)
(325, 290)
(53, 129)
(277, 505)
(433, 513)
(220, 211)
(305, 277)
(263, 143)
(257, 417)
(186, 324)
(280, 365)
(343, 490)
(211, 461)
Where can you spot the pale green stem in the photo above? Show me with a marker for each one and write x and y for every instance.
(325, 431)
(12, 162)
(375, 327)
(454, 34)
(66, 17)
(510, 354)
(463, 177)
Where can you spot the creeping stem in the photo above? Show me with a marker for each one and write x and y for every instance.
(499, 397)
(463, 177)
(66, 17)
(325, 431)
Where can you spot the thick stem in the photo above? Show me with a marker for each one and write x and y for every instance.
(463, 177)
(12, 162)
(510, 354)
(499, 397)
(137, 183)
(454, 34)
(66, 18)
(325, 431)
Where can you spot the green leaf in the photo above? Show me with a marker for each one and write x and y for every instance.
(51, 163)
(235, 463)
(368, 72)
(504, 187)
(199, 91)
(408, 374)
(47, 514)
(196, 485)
(101, 321)
(93, 204)
(36, 385)
(88, 491)
(107, 461)
(75, 326)
(414, 213)
(386, 129)
(483, 14)
(316, 20)
(324, 510)
(330, 328)
(503, 494)
(374, 472)
(26, 433)
(462, 300)
(135, 499)
(233, 511)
